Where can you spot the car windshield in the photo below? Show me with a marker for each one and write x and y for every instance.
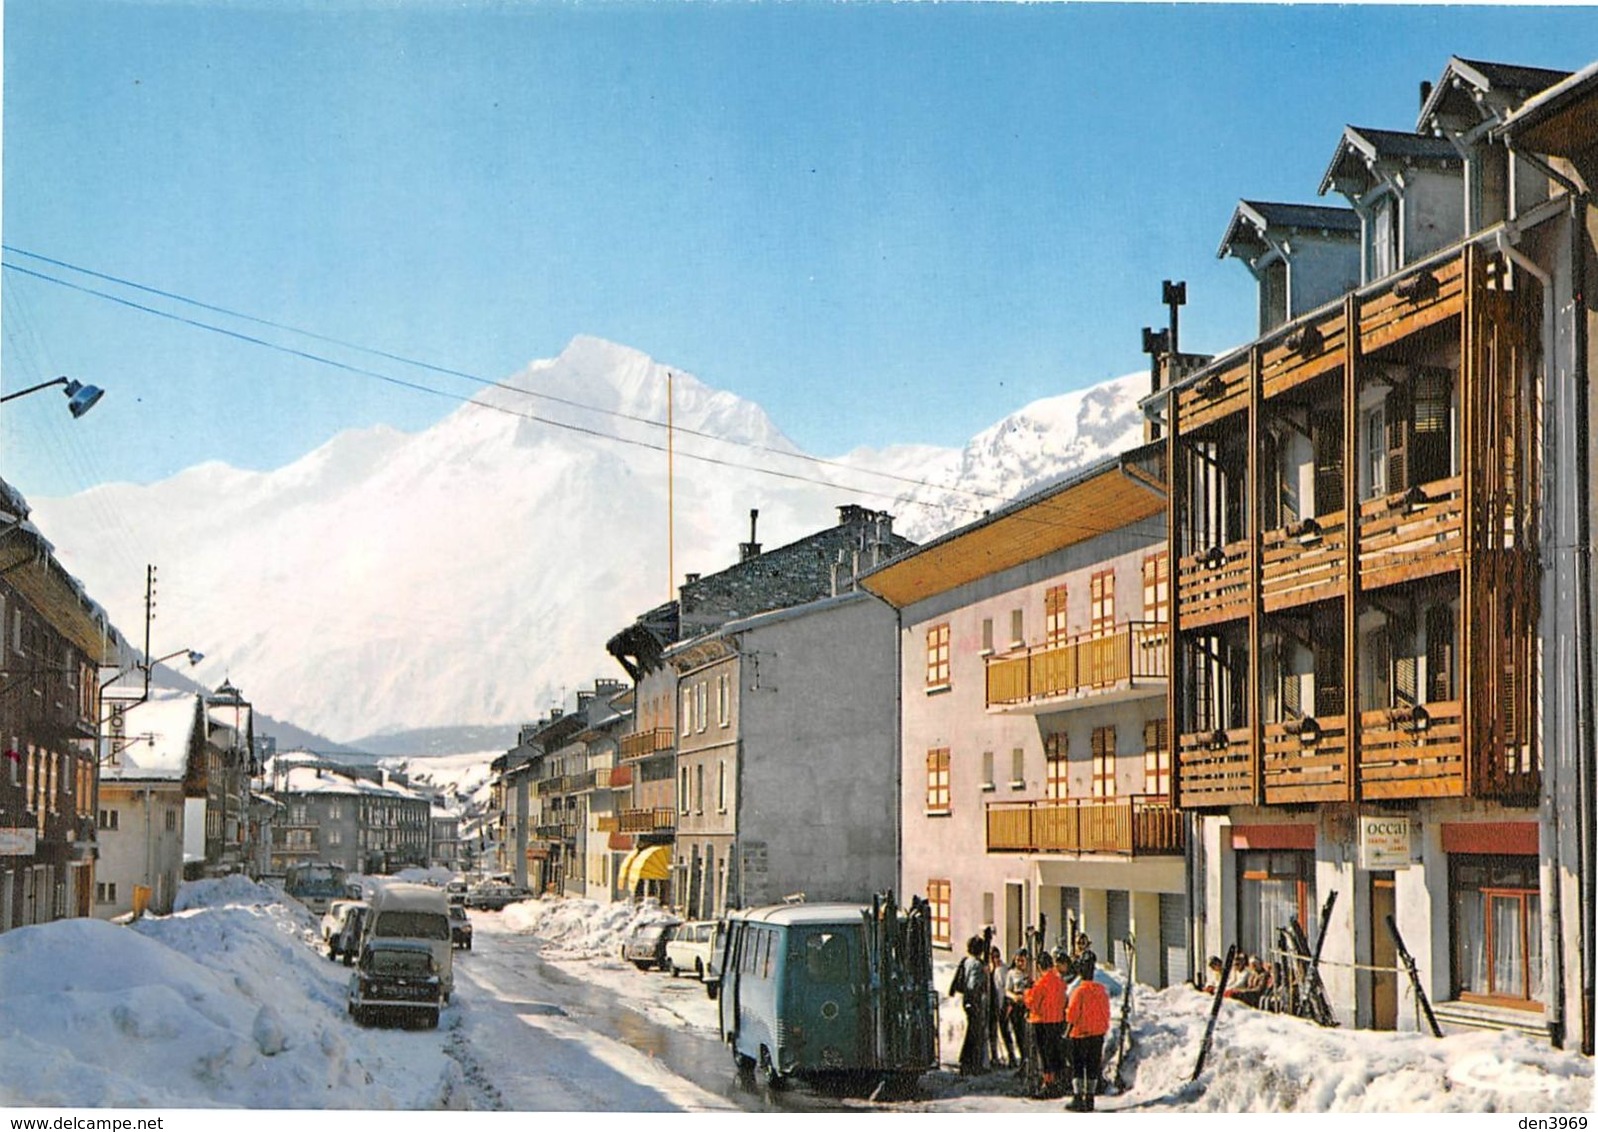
(387, 961)
(413, 925)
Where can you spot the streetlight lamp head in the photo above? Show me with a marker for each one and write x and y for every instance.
(81, 398)
(195, 657)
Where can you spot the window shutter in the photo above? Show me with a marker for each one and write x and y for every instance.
(1406, 686)
(1439, 654)
(1271, 497)
(1326, 437)
(1399, 425)
(1430, 457)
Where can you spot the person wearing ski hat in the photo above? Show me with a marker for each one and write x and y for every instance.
(1087, 1016)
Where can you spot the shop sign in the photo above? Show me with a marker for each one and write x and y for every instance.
(1383, 842)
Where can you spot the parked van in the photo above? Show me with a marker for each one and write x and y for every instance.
(816, 989)
(418, 912)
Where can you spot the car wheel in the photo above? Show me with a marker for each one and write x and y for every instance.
(770, 1076)
(641, 964)
(711, 990)
(745, 1067)
(699, 970)
(675, 971)
(432, 1019)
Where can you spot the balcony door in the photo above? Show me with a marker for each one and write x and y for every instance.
(1383, 984)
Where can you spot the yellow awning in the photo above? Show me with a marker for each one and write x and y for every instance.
(624, 876)
(650, 863)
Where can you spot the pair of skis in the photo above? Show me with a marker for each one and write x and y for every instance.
(1123, 1033)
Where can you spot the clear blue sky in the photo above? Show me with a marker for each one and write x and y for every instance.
(883, 222)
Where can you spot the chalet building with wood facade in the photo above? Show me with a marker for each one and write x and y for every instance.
(221, 807)
(160, 743)
(1380, 540)
(53, 642)
(1035, 780)
(810, 569)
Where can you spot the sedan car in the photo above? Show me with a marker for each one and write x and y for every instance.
(691, 947)
(645, 947)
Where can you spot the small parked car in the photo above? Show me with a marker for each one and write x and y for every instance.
(646, 946)
(492, 897)
(396, 978)
(460, 928)
(346, 938)
(333, 918)
(690, 949)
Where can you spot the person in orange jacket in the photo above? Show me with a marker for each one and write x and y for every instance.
(1088, 1015)
(1045, 1003)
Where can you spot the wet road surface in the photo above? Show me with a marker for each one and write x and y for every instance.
(513, 1005)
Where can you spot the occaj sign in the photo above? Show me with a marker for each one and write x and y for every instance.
(1383, 842)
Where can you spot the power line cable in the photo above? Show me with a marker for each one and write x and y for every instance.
(487, 382)
(319, 359)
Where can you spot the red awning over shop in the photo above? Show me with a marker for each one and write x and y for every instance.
(1273, 837)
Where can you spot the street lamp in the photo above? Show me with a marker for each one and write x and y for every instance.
(80, 397)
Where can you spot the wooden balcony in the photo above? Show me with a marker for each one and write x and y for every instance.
(1128, 662)
(1306, 761)
(615, 778)
(1127, 827)
(1214, 586)
(1419, 297)
(1402, 755)
(606, 823)
(1303, 563)
(641, 744)
(1215, 769)
(656, 820)
(1301, 352)
(1219, 392)
(1412, 534)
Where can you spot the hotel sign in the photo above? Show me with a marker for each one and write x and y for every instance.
(1384, 842)
(16, 842)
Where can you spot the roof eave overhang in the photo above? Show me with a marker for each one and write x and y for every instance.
(1111, 495)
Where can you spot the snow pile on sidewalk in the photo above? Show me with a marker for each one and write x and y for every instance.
(1263, 1062)
(580, 929)
(223, 1004)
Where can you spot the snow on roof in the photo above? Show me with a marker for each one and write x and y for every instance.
(157, 737)
(324, 780)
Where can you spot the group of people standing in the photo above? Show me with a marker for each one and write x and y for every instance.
(1050, 1016)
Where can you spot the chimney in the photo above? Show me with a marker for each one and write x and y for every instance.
(1425, 92)
(689, 579)
(750, 549)
(852, 513)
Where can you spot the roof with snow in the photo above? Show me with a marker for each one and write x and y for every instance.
(324, 780)
(158, 736)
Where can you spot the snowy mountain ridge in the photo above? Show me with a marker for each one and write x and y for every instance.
(470, 573)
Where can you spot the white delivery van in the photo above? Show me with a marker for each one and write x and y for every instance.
(417, 912)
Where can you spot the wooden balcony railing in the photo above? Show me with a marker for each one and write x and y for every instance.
(1412, 302)
(617, 777)
(646, 821)
(1402, 755)
(643, 743)
(1213, 585)
(1304, 562)
(1125, 826)
(1215, 768)
(1306, 760)
(1221, 391)
(1302, 351)
(1081, 665)
(1412, 534)
(606, 823)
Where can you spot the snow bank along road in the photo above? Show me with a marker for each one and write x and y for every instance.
(229, 1003)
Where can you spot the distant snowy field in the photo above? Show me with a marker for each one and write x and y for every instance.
(228, 1003)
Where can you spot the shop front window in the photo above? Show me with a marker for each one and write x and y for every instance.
(1273, 888)
(1497, 927)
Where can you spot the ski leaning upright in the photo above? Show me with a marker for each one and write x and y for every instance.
(1123, 1033)
(1215, 1011)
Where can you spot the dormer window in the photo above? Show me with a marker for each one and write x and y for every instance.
(1303, 256)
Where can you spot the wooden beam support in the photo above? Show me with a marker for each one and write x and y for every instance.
(1470, 379)
(1176, 497)
(1351, 356)
(1251, 516)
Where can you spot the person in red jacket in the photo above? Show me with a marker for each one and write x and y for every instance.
(1045, 1004)
(1088, 1016)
